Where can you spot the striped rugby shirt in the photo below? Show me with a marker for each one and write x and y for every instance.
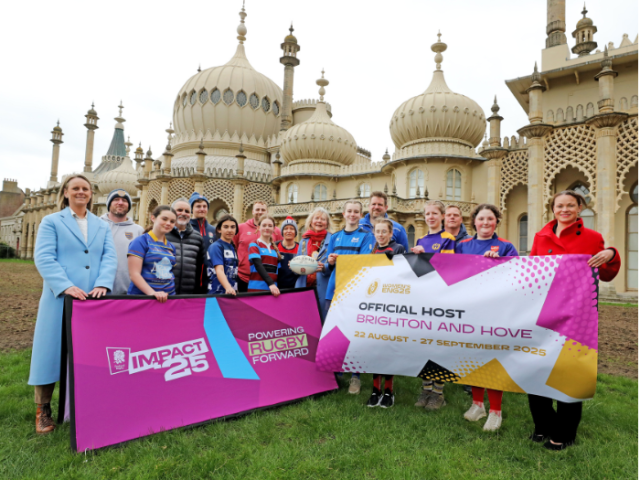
(441, 242)
(269, 257)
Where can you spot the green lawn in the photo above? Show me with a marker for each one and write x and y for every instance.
(628, 305)
(334, 436)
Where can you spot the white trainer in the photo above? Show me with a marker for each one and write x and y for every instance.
(354, 386)
(493, 422)
(475, 413)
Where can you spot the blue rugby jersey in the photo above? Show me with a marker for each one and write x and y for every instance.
(158, 259)
(473, 246)
(269, 257)
(441, 242)
(221, 253)
(347, 243)
(287, 277)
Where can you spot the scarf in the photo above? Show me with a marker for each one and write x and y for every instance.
(315, 240)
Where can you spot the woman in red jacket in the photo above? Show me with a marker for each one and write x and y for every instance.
(567, 234)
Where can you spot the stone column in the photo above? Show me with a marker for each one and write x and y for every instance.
(23, 238)
(143, 206)
(56, 139)
(290, 49)
(238, 200)
(30, 239)
(420, 227)
(92, 125)
(164, 195)
(556, 25)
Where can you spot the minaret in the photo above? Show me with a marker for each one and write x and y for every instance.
(585, 29)
(92, 126)
(290, 49)
(117, 147)
(605, 84)
(56, 139)
(556, 25)
(494, 155)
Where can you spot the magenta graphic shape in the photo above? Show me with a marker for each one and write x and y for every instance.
(331, 351)
(571, 306)
(455, 268)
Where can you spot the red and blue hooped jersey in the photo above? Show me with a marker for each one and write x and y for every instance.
(473, 246)
(269, 257)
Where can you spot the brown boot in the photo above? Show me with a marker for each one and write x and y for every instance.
(44, 422)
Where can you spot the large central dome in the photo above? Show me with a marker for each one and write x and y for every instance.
(229, 100)
(449, 122)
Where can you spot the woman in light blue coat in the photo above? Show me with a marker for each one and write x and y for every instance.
(74, 254)
(323, 274)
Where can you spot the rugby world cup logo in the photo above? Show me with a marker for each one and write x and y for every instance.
(373, 288)
(118, 359)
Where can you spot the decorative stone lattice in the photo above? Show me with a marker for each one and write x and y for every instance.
(257, 191)
(154, 193)
(219, 190)
(627, 153)
(514, 171)
(183, 187)
(570, 147)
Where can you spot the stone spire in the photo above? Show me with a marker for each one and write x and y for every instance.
(494, 124)
(92, 126)
(56, 139)
(438, 47)
(605, 84)
(584, 32)
(556, 25)
(322, 82)
(117, 147)
(290, 49)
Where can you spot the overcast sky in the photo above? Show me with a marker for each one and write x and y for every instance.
(58, 57)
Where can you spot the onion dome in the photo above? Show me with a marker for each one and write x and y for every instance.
(233, 99)
(318, 139)
(291, 38)
(57, 127)
(123, 177)
(449, 122)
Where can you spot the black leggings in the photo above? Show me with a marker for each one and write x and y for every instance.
(560, 426)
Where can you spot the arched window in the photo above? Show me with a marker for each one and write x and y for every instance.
(454, 185)
(220, 213)
(582, 189)
(411, 236)
(523, 225)
(632, 241)
(364, 190)
(320, 193)
(588, 218)
(416, 179)
(292, 193)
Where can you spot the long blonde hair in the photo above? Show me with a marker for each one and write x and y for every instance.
(312, 215)
(63, 202)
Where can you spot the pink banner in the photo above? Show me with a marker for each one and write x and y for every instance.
(155, 367)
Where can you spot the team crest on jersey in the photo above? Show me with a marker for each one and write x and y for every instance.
(129, 235)
(355, 240)
(495, 248)
(211, 234)
(435, 246)
(228, 254)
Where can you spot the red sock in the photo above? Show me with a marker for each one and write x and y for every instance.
(495, 400)
(478, 395)
(376, 382)
(388, 382)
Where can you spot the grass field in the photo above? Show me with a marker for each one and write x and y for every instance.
(334, 436)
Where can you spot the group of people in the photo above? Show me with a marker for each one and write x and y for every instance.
(81, 255)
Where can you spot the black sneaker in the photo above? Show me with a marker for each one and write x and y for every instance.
(374, 399)
(387, 399)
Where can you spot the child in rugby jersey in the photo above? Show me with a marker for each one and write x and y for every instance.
(351, 240)
(265, 259)
(288, 248)
(222, 261)
(383, 230)
(437, 240)
(485, 218)
(151, 258)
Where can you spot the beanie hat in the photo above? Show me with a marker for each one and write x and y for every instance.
(289, 221)
(118, 193)
(195, 197)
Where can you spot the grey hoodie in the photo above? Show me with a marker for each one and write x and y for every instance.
(123, 233)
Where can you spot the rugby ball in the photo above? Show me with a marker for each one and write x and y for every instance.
(303, 265)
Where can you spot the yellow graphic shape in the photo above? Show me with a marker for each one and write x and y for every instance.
(465, 367)
(351, 270)
(491, 375)
(575, 371)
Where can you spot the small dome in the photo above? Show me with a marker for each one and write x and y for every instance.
(584, 22)
(57, 127)
(319, 139)
(124, 177)
(438, 116)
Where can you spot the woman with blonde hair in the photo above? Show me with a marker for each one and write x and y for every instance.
(265, 258)
(314, 242)
(76, 256)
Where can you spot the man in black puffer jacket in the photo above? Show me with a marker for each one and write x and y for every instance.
(190, 251)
